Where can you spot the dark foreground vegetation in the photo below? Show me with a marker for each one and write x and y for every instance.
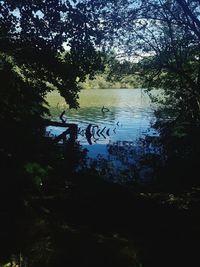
(53, 216)
(56, 210)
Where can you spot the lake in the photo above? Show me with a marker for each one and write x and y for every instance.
(127, 115)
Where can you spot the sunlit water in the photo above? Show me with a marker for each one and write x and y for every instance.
(129, 116)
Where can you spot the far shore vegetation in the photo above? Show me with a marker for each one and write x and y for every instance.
(100, 81)
(116, 74)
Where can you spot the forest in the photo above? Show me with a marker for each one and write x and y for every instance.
(116, 74)
(58, 207)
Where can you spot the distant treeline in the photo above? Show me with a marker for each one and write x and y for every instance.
(101, 81)
(115, 75)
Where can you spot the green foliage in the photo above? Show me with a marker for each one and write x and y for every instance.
(36, 172)
(165, 36)
(115, 75)
(33, 34)
(33, 62)
(9, 264)
(101, 81)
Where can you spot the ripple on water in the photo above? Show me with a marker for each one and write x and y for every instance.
(130, 115)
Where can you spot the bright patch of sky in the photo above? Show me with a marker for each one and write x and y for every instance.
(66, 46)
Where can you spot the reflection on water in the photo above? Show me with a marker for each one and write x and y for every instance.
(128, 117)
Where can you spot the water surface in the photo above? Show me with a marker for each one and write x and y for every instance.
(129, 116)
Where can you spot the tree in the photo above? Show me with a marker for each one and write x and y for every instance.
(33, 35)
(163, 35)
(33, 62)
(44, 45)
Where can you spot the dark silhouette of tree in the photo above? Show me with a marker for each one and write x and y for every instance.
(44, 46)
(33, 62)
(164, 37)
(33, 35)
